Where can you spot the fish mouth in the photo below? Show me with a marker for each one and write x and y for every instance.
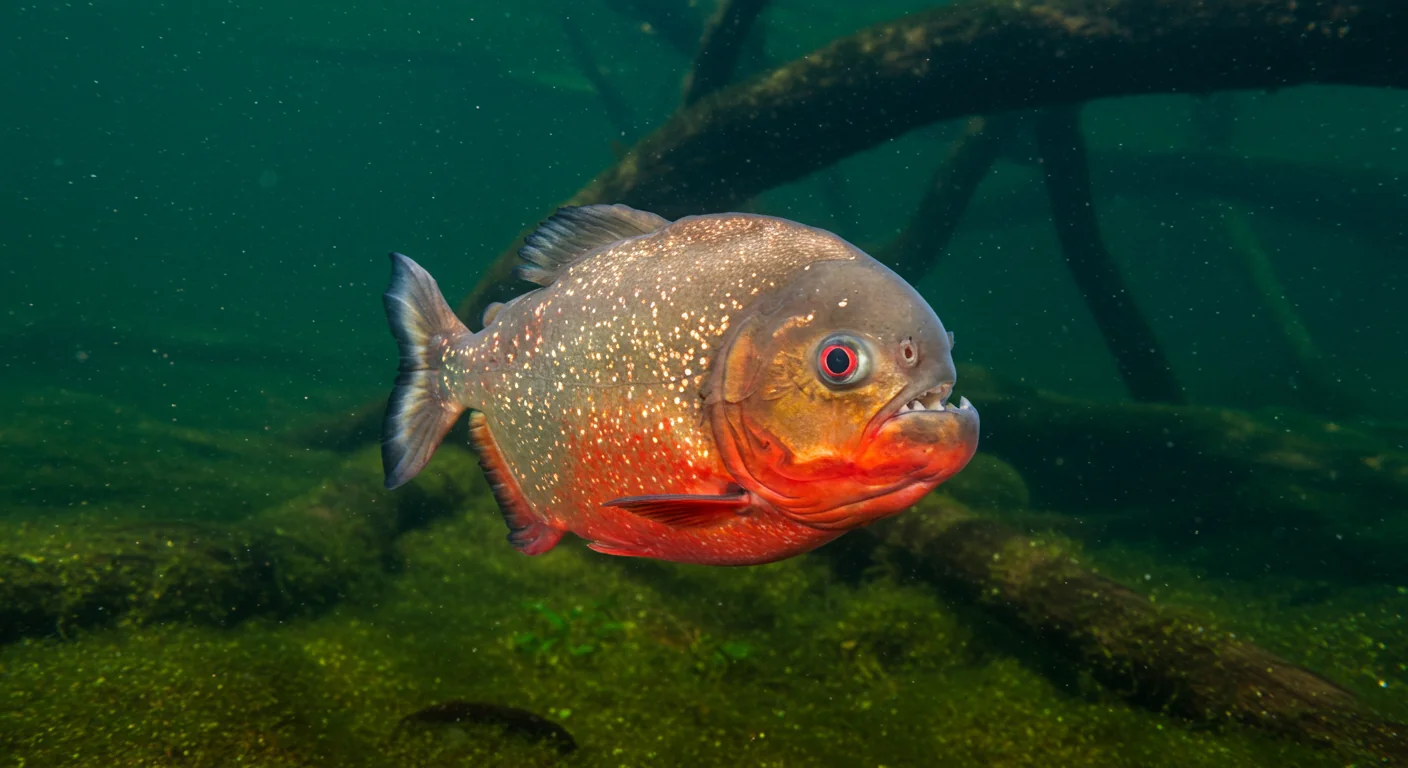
(927, 405)
(932, 400)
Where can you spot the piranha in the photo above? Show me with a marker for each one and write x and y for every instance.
(728, 389)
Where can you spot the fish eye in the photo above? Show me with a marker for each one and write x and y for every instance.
(842, 360)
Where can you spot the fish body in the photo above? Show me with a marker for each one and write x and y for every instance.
(727, 389)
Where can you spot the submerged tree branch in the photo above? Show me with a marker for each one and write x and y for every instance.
(1149, 655)
(971, 58)
(917, 248)
(1366, 203)
(677, 24)
(618, 111)
(1294, 483)
(719, 51)
(298, 557)
(1319, 391)
(1138, 353)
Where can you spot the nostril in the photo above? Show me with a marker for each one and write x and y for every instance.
(908, 351)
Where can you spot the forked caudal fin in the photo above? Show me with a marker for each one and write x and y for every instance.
(420, 411)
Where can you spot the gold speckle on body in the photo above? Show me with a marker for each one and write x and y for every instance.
(618, 392)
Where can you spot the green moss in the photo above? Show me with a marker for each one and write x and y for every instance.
(298, 556)
(1356, 635)
(300, 632)
(775, 665)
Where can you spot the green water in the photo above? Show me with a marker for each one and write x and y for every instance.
(195, 206)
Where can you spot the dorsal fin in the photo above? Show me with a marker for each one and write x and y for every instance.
(574, 232)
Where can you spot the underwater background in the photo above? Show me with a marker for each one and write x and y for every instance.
(198, 564)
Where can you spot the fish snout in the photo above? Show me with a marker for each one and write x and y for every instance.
(933, 436)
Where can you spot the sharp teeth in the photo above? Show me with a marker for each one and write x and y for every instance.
(918, 404)
(943, 404)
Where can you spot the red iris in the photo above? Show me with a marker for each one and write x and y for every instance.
(839, 361)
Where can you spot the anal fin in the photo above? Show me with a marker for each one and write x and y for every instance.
(526, 530)
(682, 510)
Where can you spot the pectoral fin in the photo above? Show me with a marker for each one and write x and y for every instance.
(682, 510)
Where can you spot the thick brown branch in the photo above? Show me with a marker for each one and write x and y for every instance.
(1138, 354)
(717, 60)
(980, 58)
(1149, 655)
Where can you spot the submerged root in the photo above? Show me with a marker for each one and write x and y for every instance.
(298, 557)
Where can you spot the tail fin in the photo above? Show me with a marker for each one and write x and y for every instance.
(420, 411)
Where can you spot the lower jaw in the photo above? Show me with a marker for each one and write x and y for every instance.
(863, 512)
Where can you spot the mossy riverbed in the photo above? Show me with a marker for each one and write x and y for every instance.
(820, 660)
(642, 663)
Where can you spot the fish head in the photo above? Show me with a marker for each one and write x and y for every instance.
(831, 401)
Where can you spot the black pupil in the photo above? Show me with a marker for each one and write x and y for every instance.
(838, 361)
